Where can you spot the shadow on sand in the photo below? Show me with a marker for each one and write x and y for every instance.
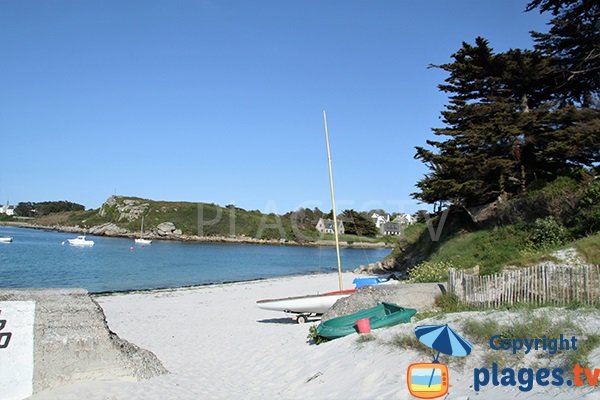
(288, 320)
(284, 320)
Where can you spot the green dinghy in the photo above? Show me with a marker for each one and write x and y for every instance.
(383, 314)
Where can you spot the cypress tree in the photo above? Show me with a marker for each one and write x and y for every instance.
(573, 46)
(488, 152)
(519, 116)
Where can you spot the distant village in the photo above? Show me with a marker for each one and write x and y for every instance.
(384, 223)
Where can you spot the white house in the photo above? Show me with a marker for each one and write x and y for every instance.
(326, 226)
(405, 219)
(8, 210)
(379, 220)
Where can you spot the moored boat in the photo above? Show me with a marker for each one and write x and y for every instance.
(80, 241)
(141, 239)
(382, 315)
(7, 239)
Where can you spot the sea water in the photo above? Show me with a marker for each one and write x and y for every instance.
(43, 259)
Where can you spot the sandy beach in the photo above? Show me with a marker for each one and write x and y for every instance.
(217, 344)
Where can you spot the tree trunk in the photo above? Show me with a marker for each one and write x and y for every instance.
(524, 103)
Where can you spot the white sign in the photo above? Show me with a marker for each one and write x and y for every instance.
(16, 349)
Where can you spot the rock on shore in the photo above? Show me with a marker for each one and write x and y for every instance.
(167, 229)
(108, 229)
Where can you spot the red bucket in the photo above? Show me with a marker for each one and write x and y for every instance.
(363, 325)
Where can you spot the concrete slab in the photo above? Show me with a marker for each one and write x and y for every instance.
(71, 340)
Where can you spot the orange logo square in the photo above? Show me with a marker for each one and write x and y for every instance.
(427, 380)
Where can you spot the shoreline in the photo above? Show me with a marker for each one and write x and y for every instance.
(195, 286)
(204, 239)
(108, 293)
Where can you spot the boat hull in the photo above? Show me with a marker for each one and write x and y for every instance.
(80, 243)
(382, 315)
(309, 304)
(5, 239)
(143, 241)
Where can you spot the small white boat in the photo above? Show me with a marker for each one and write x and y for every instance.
(80, 241)
(309, 304)
(6, 239)
(141, 239)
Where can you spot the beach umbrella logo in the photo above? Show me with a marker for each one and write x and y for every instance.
(430, 380)
(443, 339)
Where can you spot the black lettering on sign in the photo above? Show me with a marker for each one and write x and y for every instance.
(4, 336)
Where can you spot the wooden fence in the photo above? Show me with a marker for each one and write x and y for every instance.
(542, 284)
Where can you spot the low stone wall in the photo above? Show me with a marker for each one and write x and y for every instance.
(71, 340)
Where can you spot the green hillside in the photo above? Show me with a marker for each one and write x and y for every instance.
(202, 219)
(199, 219)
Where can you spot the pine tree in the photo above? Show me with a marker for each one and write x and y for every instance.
(488, 152)
(357, 224)
(571, 129)
(573, 46)
(503, 129)
(519, 116)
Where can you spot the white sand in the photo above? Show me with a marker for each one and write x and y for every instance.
(218, 345)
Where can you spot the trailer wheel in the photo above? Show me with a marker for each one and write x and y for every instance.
(301, 319)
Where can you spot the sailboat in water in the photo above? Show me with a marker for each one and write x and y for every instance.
(141, 239)
(302, 307)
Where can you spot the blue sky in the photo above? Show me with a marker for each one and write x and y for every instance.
(221, 101)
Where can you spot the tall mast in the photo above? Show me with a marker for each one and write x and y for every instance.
(335, 225)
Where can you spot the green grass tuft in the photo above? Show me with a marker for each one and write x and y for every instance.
(479, 330)
(589, 248)
(584, 347)
(365, 338)
(314, 337)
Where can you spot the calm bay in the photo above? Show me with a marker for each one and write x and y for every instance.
(39, 259)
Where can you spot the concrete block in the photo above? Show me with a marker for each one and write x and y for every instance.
(71, 340)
